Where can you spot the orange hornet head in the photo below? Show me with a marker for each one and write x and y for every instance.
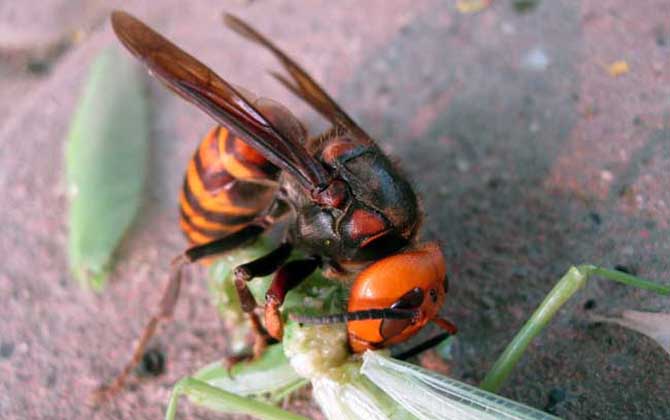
(392, 299)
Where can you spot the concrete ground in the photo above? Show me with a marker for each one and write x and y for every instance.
(529, 154)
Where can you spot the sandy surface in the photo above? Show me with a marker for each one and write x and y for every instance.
(530, 156)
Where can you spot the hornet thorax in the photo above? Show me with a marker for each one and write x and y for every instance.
(371, 211)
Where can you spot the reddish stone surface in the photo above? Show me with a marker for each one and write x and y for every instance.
(528, 154)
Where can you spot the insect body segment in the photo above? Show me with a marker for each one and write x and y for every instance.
(229, 183)
(221, 191)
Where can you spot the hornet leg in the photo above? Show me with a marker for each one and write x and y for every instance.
(260, 267)
(170, 297)
(289, 276)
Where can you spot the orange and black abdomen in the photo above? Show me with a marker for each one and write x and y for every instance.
(226, 186)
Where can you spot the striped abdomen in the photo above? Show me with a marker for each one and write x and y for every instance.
(224, 187)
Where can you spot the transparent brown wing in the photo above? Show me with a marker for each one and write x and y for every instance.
(303, 85)
(199, 85)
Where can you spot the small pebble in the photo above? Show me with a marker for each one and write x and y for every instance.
(508, 28)
(6, 350)
(595, 218)
(661, 36)
(589, 304)
(535, 59)
(556, 396)
(625, 269)
(525, 6)
(51, 379)
(494, 183)
(37, 66)
(606, 175)
(462, 165)
(152, 364)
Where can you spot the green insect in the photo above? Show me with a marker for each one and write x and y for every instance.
(374, 385)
